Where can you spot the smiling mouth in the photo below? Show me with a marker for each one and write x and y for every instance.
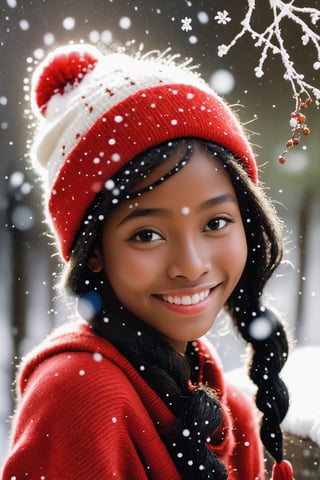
(186, 300)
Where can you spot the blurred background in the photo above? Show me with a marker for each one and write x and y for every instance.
(29, 305)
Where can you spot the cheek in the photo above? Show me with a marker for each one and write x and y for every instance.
(234, 253)
(132, 270)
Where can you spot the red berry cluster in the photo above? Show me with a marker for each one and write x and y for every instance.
(299, 126)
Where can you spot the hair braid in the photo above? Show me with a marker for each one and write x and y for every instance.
(269, 344)
(258, 325)
(198, 413)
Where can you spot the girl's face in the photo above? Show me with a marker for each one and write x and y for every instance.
(174, 255)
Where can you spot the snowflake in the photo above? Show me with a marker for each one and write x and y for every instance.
(186, 24)
(222, 17)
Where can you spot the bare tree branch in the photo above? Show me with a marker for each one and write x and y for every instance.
(272, 42)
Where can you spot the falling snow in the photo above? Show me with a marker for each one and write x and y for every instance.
(185, 210)
(222, 81)
(49, 39)
(186, 24)
(193, 39)
(125, 23)
(23, 217)
(203, 17)
(69, 23)
(260, 328)
(222, 18)
(97, 357)
(24, 25)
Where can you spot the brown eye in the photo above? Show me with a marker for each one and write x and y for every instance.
(146, 236)
(217, 223)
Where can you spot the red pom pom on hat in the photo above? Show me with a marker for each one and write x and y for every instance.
(282, 471)
(65, 69)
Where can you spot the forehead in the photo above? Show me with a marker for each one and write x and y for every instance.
(203, 177)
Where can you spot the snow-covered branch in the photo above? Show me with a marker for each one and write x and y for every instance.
(271, 42)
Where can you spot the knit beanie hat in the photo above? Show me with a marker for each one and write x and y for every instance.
(97, 112)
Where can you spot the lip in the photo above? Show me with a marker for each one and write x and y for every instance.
(188, 302)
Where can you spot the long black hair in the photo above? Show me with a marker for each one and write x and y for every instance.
(167, 371)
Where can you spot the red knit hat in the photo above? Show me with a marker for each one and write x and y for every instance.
(100, 111)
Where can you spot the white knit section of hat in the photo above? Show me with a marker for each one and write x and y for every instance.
(67, 118)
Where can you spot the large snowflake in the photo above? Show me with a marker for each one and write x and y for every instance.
(186, 24)
(222, 17)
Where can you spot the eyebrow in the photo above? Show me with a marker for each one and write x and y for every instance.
(213, 202)
(162, 212)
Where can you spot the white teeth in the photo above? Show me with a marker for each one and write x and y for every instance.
(177, 300)
(195, 299)
(186, 299)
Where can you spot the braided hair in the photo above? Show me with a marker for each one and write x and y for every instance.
(198, 412)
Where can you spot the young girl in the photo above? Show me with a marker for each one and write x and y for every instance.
(153, 195)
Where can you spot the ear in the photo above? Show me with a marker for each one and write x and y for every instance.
(95, 262)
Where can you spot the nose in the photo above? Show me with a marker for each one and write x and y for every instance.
(189, 260)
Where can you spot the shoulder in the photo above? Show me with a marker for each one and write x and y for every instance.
(79, 398)
(77, 368)
(74, 363)
(82, 369)
(70, 350)
(79, 377)
(79, 394)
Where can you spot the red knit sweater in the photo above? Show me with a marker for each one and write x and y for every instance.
(85, 413)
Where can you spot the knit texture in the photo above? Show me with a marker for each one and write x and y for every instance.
(97, 112)
(282, 471)
(84, 412)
